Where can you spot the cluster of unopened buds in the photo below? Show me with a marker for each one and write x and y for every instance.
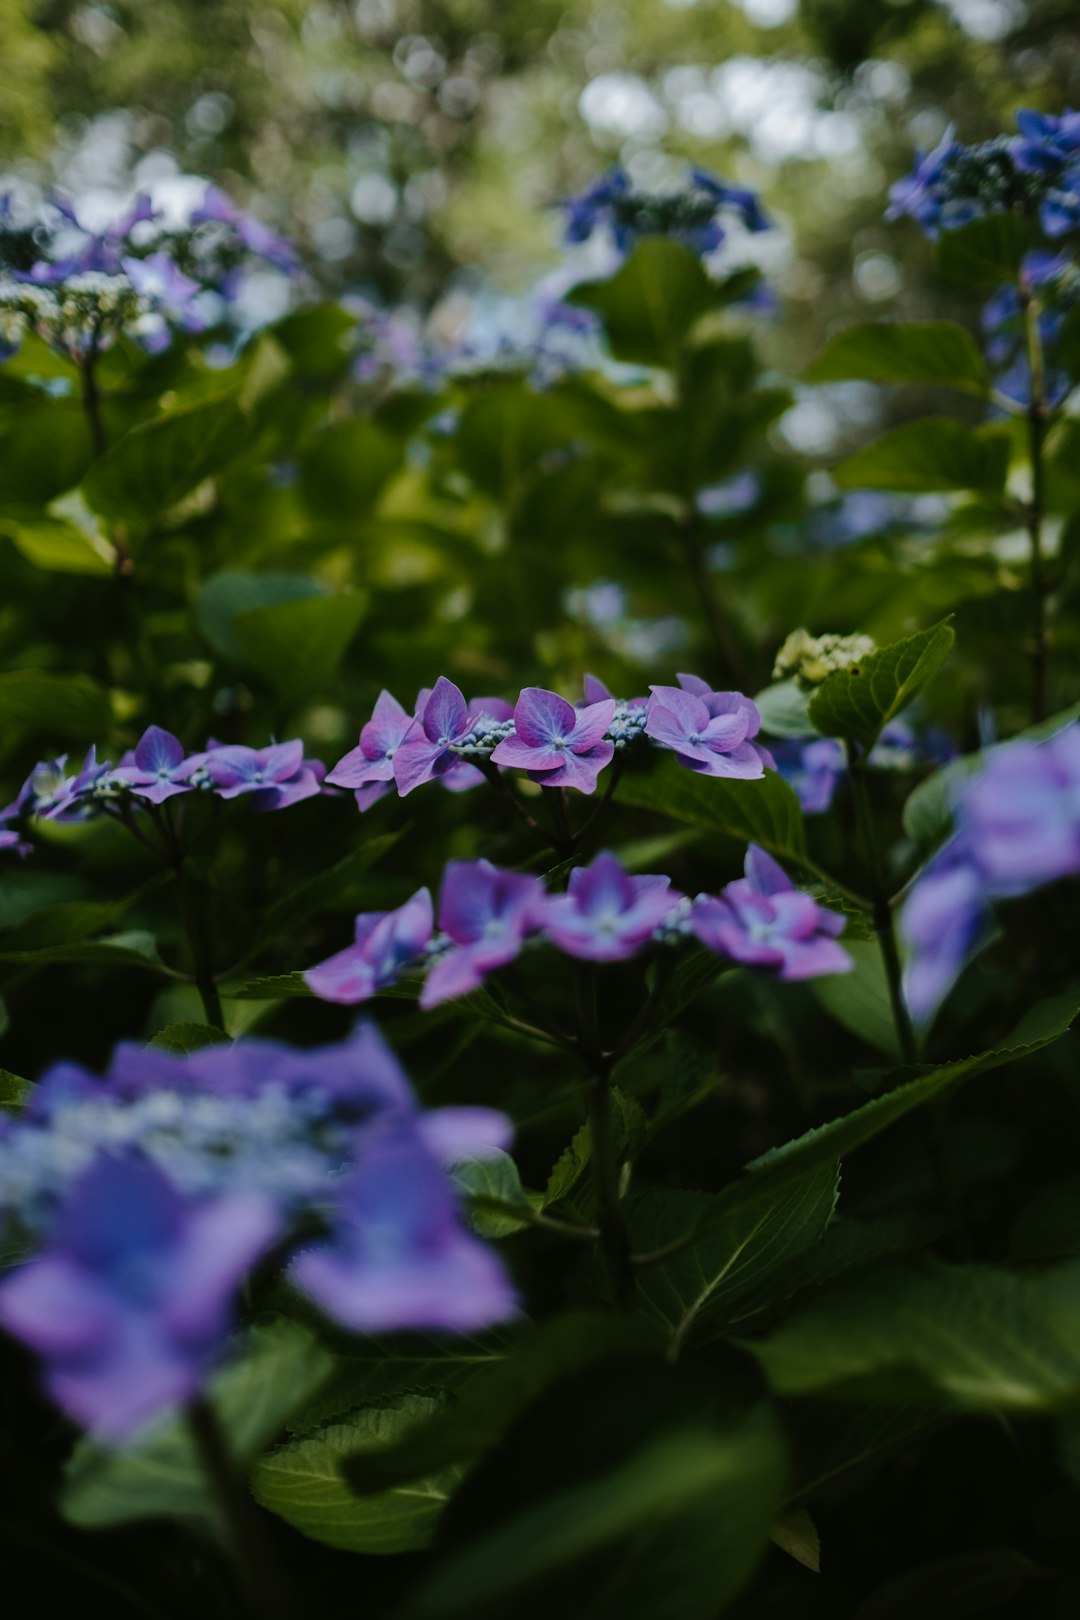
(487, 916)
(808, 660)
(558, 744)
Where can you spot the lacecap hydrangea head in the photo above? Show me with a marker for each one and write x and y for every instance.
(808, 660)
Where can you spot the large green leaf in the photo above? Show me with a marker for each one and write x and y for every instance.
(154, 466)
(301, 1482)
(764, 812)
(60, 547)
(44, 450)
(933, 453)
(986, 1338)
(665, 1511)
(379, 1368)
(783, 710)
(860, 999)
(856, 703)
(279, 1368)
(737, 1256)
(903, 352)
(134, 947)
(985, 252)
(492, 1187)
(297, 646)
(65, 707)
(343, 470)
(226, 596)
(651, 302)
(912, 1088)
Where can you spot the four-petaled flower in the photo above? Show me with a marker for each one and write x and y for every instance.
(709, 732)
(159, 767)
(486, 914)
(278, 775)
(385, 943)
(427, 750)
(369, 767)
(606, 915)
(558, 745)
(763, 921)
(129, 1303)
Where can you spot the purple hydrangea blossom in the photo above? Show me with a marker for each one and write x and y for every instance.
(812, 768)
(398, 1255)
(277, 776)
(606, 915)
(709, 732)
(428, 751)
(696, 215)
(486, 915)
(159, 767)
(1018, 827)
(129, 1303)
(166, 289)
(558, 745)
(384, 945)
(368, 769)
(762, 920)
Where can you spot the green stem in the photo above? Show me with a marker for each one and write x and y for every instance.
(563, 841)
(614, 1238)
(1036, 419)
(194, 925)
(91, 398)
(880, 908)
(267, 1596)
(725, 646)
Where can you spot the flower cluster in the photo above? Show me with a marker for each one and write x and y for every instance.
(809, 660)
(815, 766)
(1036, 172)
(1017, 827)
(79, 288)
(157, 769)
(1049, 288)
(456, 742)
(696, 215)
(487, 916)
(146, 1196)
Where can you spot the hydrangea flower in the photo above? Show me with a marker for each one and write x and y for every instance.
(368, 769)
(558, 745)
(150, 1192)
(486, 915)
(278, 776)
(428, 749)
(129, 1303)
(695, 215)
(384, 945)
(159, 767)
(762, 920)
(813, 768)
(606, 915)
(710, 732)
(398, 1256)
(1018, 827)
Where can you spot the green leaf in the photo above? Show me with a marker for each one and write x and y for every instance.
(319, 340)
(334, 888)
(913, 1088)
(297, 646)
(153, 467)
(737, 1256)
(60, 548)
(628, 1126)
(271, 987)
(65, 707)
(783, 708)
(280, 1367)
(857, 703)
(492, 1187)
(225, 596)
(665, 1512)
(796, 1534)
(933, 453)
(650, 304)
(928, 352)
(132, 948)
(988, 1339)
(764, 812)
(44, 450)
(984, 253)
(301, 1482)
(376, 1369)
(187, 1037)
(860, 999)
(14, 1090)
(499, 1393)
(344, 469)
(691, 1076)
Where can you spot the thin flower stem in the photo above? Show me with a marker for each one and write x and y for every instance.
(725, 646)
(192, 918)
(1036, 419)
(881, 910)
(563, 840)
(268, 1597)
(95, 419)
(614, 1238)
(506, 792)
(615, 776)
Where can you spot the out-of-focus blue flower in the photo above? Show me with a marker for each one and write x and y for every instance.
(385, 944)
(486, 915)
(607, 915)
(696, 215)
